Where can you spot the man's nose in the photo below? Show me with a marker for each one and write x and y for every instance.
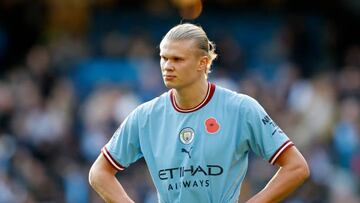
(168, 66)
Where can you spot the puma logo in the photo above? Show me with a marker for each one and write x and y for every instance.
(186, 151)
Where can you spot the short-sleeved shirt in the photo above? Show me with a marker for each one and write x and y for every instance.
(198, 154)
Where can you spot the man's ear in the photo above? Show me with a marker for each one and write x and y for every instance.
(203, 63)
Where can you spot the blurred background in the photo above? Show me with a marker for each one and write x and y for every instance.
(71, 70)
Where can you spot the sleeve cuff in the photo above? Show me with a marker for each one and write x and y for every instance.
(111, 160)
(281, 149)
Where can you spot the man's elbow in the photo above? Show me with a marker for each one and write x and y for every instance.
(92, 177)
(304, 171)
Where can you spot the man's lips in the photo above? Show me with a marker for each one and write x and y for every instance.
(169, 77)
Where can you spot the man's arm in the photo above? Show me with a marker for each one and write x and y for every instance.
(103, 181)
(292, 173)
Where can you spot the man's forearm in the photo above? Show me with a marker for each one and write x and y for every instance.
(109, 188)
(102, 179)
(284, 182)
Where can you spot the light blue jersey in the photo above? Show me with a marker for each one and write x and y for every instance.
(199, 154)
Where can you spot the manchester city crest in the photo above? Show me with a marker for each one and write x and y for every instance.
(187, 135)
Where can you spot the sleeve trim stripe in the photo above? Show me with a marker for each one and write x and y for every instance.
(281, 149)
(111, 160)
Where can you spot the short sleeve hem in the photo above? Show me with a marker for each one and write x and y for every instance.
(111, 160)
(280, 150)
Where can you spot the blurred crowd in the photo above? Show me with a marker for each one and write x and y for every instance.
(54, 120)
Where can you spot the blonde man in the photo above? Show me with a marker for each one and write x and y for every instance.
(196, 137)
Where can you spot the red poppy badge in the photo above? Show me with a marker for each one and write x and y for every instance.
(211, 125)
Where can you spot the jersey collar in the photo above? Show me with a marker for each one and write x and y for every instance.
(209, 93)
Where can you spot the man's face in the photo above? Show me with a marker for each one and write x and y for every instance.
(182, 63)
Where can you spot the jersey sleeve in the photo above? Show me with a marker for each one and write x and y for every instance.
(124, 146)
(266, 138)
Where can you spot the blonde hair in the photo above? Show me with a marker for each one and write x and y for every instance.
(189, 31)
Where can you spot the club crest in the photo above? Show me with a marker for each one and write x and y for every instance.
(187, 135)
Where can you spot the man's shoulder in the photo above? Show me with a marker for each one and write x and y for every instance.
(155, 103)
(233, 98)
(230, 95)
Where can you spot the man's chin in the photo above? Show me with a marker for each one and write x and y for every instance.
(169, 85)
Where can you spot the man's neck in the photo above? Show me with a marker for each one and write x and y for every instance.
(191, 96)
